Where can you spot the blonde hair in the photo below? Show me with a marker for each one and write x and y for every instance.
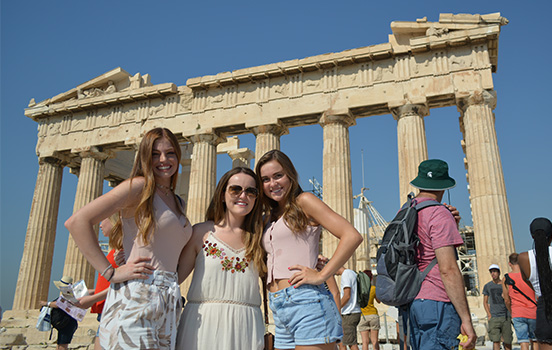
(143, 215)
(293, 214)
(252, 225)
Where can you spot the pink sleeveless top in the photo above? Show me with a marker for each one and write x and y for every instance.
(285, 248)
(170, 236)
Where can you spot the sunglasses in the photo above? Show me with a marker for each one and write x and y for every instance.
(237, 190)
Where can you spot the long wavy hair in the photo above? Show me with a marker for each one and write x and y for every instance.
(252, 225)
(295, 218)
(143, 215)
(541, 231)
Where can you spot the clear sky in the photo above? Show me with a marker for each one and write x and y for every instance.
(49, 47)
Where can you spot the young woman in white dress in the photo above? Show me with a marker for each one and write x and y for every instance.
(223, 302)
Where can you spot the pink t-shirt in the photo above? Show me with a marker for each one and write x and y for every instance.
(436, 229)
(285, 248)
(521, 307)
(171, 235)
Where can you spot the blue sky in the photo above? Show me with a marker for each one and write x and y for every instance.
(50, 47)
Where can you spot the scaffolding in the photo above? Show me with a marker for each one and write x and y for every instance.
(371, 225)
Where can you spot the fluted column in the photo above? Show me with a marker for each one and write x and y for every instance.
(89, 187)
(491, 215)
(412, 144)
(33, 281)
(268, 138)
(241, 157)
(337, 181)
(203, 175)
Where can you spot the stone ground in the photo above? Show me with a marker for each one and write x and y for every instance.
(18, 332)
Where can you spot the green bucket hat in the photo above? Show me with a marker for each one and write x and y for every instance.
(433, 176)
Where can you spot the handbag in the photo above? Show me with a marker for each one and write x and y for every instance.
(44, 322)
(268, 337)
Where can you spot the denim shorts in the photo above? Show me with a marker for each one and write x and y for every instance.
(525, 328)
(306, 315)
(434, 325)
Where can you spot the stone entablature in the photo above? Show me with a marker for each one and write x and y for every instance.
(412, 66)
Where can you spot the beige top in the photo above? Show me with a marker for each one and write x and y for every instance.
(172, 232)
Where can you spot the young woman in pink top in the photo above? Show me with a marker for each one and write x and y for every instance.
(305, 315)
(143, 302)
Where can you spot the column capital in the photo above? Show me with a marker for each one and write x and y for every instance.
(409, 110)
(211, 138)
(53, 160)
(331, 117)
(464, 99)
(277, 129)
(95, 152)
(243, 154)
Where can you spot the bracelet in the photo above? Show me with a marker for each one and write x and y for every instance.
(110, 277)
(104, 271)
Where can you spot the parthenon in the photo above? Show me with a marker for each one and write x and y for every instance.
(95, 127)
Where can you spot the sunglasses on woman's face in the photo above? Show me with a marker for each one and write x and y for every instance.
(236, 191)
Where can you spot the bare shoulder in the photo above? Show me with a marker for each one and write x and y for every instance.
(307, 200)
(200, 230)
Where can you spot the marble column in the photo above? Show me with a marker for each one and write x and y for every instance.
(412, 144)
(202, 182)
(33, 281)
(337, 180)
(203, 175)
(490, 213)
(241, 157)
(268, 138)
(89, 187)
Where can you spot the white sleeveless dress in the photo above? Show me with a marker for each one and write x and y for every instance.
(223, 304)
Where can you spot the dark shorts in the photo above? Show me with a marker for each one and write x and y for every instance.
(65, 335)
(543, 332)
(434, 325)
(350, 323)
(500, 328)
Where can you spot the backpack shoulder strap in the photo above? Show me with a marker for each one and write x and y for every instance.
(425, 204)
(513, 284)
(428, 268)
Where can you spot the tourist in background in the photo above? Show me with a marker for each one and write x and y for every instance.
(350, 310)
(369, 325)
(291, 239)
(223, 309)
(143, 304)
(498, 318)
(520, 301)
(442, 290)
(536, 268)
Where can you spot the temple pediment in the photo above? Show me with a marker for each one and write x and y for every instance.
(115, 86)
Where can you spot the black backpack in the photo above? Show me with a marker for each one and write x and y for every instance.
(399, 279)
(363, 289)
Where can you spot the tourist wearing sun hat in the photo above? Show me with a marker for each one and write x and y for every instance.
(64, 282)
(443, 288)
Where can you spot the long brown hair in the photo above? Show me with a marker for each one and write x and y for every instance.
(143, 215)
(293, 214)
(252, 224)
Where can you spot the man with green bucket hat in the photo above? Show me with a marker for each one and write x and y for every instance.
(440, 312)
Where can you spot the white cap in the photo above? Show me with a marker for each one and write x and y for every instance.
(494, 267)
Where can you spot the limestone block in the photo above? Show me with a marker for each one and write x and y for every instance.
(12, 339)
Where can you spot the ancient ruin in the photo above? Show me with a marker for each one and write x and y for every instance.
(94, 129)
